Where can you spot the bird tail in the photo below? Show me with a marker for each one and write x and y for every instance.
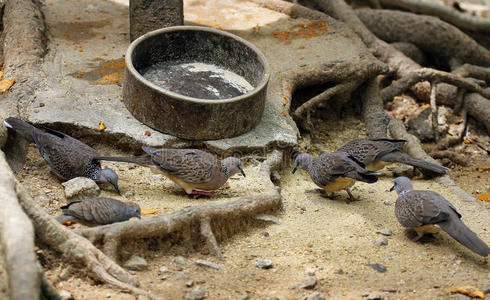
(368, 176)
(401, 157)
(461, 233)
(22, 128)
(140, 160)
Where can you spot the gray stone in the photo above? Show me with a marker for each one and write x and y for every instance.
(180, 260)
(205, 263)
(381, 241)
(189, 283)
(244, 297)
(421, 126)
(378, 267)
(308, 283)
(163, 269)
(375, 296)
(263, 263)
(385, 231)
(310, 271)
(80, 188)
(65, 295)
(268, 218)
(42, 200)
(136, 263)
(198, 293)
(315, 296)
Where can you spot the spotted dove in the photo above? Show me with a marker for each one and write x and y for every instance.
(67, 157)
(428, 212)
(377, 153)
(99, 211)
(334, 171)
(197, 172)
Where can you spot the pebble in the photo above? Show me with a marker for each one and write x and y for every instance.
(180, 260)
(80, 188)
(189, 283)
(378, 267)
(385, 231)
(244, 297)
(375, 296)
(136, 263)
(381, 241)
(42, 200)
(263, 263)
(108, 295)
(65, 295)
(198, 293)
(308, 283)
(205, 263)
(163, 269)
(310, 271)
(315, 296)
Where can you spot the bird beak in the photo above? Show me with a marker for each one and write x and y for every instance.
(392, 188)
(138, 216)
(295, 168)
(116, 188)
(241, 171)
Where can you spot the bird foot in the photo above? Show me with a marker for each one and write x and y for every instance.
(196, 194)
(417, 238)
(351, 197)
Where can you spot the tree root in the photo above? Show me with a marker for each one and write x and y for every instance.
(449, 42)
(444, 12)
(17, 238)
(76, 249)
(468, 70)
(163, 225)
(401, 85)
(452, 156)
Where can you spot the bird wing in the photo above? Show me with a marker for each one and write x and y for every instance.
(190, 165)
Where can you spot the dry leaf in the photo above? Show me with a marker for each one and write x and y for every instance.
(149, 211)
(484, 197)
(147, 133)
(467, 141)
(5, 84)
(485, 169)
(102, 127)
(468, 290)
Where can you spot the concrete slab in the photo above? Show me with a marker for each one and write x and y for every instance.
(83, 69)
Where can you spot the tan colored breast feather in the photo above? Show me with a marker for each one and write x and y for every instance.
(427, 229)
(377, 165)
(339, 184)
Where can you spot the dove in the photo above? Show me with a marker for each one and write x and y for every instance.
(197, 172)
(334, 171)
(67, 157)
(429, 212)
(376, 153)
(98, 211)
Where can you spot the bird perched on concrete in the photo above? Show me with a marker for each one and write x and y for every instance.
(98, 211)
(67, 157)
(334, 171)
(428, 212)
(377, 153)
(197, 172)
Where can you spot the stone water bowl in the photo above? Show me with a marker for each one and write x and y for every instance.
(195, 82)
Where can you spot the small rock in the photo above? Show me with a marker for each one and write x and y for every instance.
(421, 126)
(269, 218)
(378, 267)
(42, 200)
(108, 295)
(308, 283)
(385, 231)
(136, 263)
(180, 260)
(163, 269)
(263, 263)
(310, 271)
(315, 296)
(381, 241)
(65, 295)
(205, 263)
(198, 293)
(189, 283)
(375, 296)
(80, 188)
(244, 297)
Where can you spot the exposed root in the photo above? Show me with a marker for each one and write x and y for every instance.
(400, 86)
(449, 42)
(17, 238)
(451, 155)
(444, 12)
(163, 225)
(76, 249)
(479, 108)
(467, 70)
(374, 116)
(434, 110)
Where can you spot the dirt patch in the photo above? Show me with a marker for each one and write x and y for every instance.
(330, 237)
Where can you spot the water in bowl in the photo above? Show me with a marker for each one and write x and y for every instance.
(197, 80)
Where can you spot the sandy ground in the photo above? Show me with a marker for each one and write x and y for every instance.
(332, 238)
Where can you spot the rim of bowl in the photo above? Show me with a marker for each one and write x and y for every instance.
(261, 57)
